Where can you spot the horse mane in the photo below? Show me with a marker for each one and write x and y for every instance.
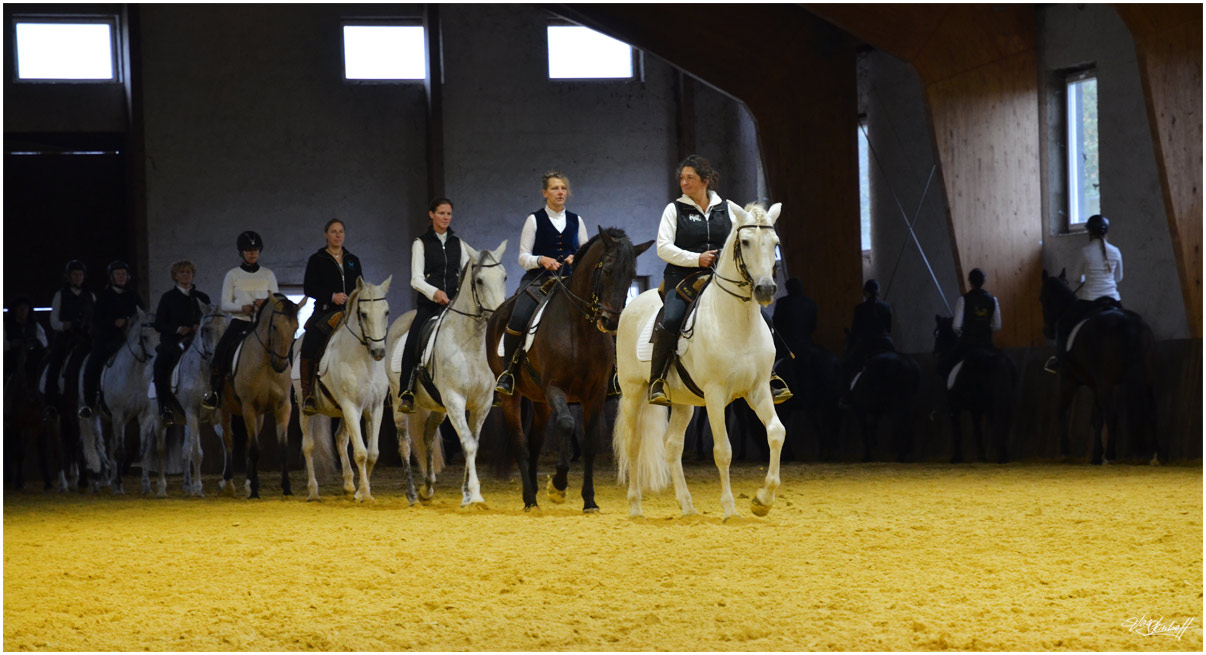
(623, 255)
(757, 212)
(290, 307)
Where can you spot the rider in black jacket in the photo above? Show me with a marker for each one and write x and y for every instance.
(331, 276)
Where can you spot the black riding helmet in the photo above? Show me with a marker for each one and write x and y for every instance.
(74, 265)
(117, 265)
(1098, 225)
(871, 287)
(976, 277)
(250, 240)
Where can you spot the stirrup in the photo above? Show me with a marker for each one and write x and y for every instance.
(309, 407)
(50, 413)
(406, 401)
(779, 391)
(210, 401)
(506, 383)
(1052, 365)
(85, 412)
(168, 418)
(657, 394)
(613, 386)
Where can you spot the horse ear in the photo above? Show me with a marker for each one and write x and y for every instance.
(497, 253)
(772, 214)
(1063, 274)
(736, 211)
(385, 285)
(359, 283)
(607, 240)
(643, 247)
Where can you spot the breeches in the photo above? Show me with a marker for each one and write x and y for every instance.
(102, 350)
(411, 353)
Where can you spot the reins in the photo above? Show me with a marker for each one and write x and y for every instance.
(274, 357)
(594, 308)
(482, 312)
(141, 344)
(364, 339)
(747, 280)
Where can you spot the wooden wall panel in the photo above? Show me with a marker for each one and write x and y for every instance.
(1168, 42)
(986, 128)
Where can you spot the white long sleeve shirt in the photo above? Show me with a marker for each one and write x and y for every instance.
(527, 238)
(418, 262)
(667, 231)
(1095, 271)
(957, 324)
(242, 288)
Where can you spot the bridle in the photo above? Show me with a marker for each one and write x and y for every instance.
(142, 344)
(482, 312)
(746, 280)
(595, 308)
(205, 354)
(273, 356)
(364, 339)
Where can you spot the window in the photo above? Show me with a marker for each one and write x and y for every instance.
(75, 50)
(576, 52)
(864, 185)
(384, 52)
(1084, 178)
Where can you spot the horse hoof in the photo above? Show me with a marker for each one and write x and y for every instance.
(590, 510)
(555, 495)
(758, 508)
(529, 508)
(479, 505)
(426, 494)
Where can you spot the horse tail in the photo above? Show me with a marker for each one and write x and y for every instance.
(325, 466)
(643, 432)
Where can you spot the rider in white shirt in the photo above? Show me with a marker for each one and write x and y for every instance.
(1099, 272)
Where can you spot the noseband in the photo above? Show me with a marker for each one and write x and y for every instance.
(595, 308)
(746, 280)
(482, 312)
(142, 344)
(364, 339)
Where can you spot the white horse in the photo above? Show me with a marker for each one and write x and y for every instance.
(352, 385)
(193, 383)
(123, 385)
(460, 374)
(729, 356)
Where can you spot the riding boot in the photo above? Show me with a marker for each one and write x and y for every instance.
(406, 397)
(309, 406)
(165, 413)
(506, 380)
(663, 350)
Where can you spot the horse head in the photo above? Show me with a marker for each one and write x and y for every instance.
(753, 242)
(213, 325)
(141, 336)
(608, 264)
(487, 279)
(944, 334)
(1055, 297)
(369, 309)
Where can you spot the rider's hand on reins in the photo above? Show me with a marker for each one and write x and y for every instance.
(549, 263)
(339, 298)
(707, 258)
(441, 297)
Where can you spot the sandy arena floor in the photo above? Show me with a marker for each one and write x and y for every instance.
(876, 557)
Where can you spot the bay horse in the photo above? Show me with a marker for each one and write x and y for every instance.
(570, 360)
(1113, 355)
(459, 372)
(193, 383)
(885, 387)
(257, 384)
(985, 387)
(351, 387)
(729, 355)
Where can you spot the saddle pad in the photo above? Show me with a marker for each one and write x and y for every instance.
(42, 380)
(645, 342)
(855, 380)
(950, 379)
(395, 358)
(534, 324)
(1072, 335)
(234, 361)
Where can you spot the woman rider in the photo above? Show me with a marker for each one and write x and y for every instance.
(692, 231)
(115, 307)
(177, 319)
(244, 289)
(331, 275)
(1099, 271)
(551, 235)
(437, 258)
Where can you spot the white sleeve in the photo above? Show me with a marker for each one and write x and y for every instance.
(417, 264)
(55, 304)
(272, 285)
(228, 302)
(583, 233)
(957, 324)
(666, 249)
(527, 238)
(42, 336)
(1118, 269)
(996, 315)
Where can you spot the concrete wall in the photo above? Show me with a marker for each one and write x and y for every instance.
(1077, 35)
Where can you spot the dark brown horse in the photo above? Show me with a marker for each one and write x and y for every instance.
(985, 386)
(1113, 355)
(570, 360)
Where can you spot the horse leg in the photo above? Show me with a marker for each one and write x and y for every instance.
(519, 447)
(626, 442)
(563, 424)
(471, 493)
(373, 438)
(955, 414)
(722, 450)
(1098, 436)
(160, 441)
(978, 428)
(592, 417)
(117, 451)
(351, 424)
(764, 406)
(1110, 439)
(401, 424)
(1067, 393)
(537, 433)
(226, 484)
(254, 423)
(675, 440)
(193, 455)
(281, 416)
(431, 431)
(341, 446)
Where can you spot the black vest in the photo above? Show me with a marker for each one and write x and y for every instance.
(697, 233)
(551, 243)
(75, 308)
(978, 306)
(441, 263)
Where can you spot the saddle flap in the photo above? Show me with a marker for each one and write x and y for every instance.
(534, 324)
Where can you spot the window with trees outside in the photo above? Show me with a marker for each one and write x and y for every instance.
(1083, 165)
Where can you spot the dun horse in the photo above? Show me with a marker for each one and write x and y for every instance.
(458, 371)
(1112, 354)
(729, 356)
(569, 361)
(258, 384)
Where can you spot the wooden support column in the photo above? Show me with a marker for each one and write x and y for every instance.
(1168, 42)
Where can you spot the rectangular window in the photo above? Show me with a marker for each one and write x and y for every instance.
(384, 52)
(1084, 180)
(864, 185)
(75, 50)
(577, 52)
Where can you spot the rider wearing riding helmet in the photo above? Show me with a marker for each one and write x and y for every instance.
(115, 307)
(436, 278)
(70, 315)
(331, 275)
(1099, 272)
(550, 237)
(244, 289)
(870, 329)
(692, 231)
(177, 319)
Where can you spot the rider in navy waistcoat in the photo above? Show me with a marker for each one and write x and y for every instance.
(692, 231)
(70, 318)
(331, 275)
(115, 307)
(551, 235)
(977, 315)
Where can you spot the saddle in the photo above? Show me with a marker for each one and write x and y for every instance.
(1099, 306)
